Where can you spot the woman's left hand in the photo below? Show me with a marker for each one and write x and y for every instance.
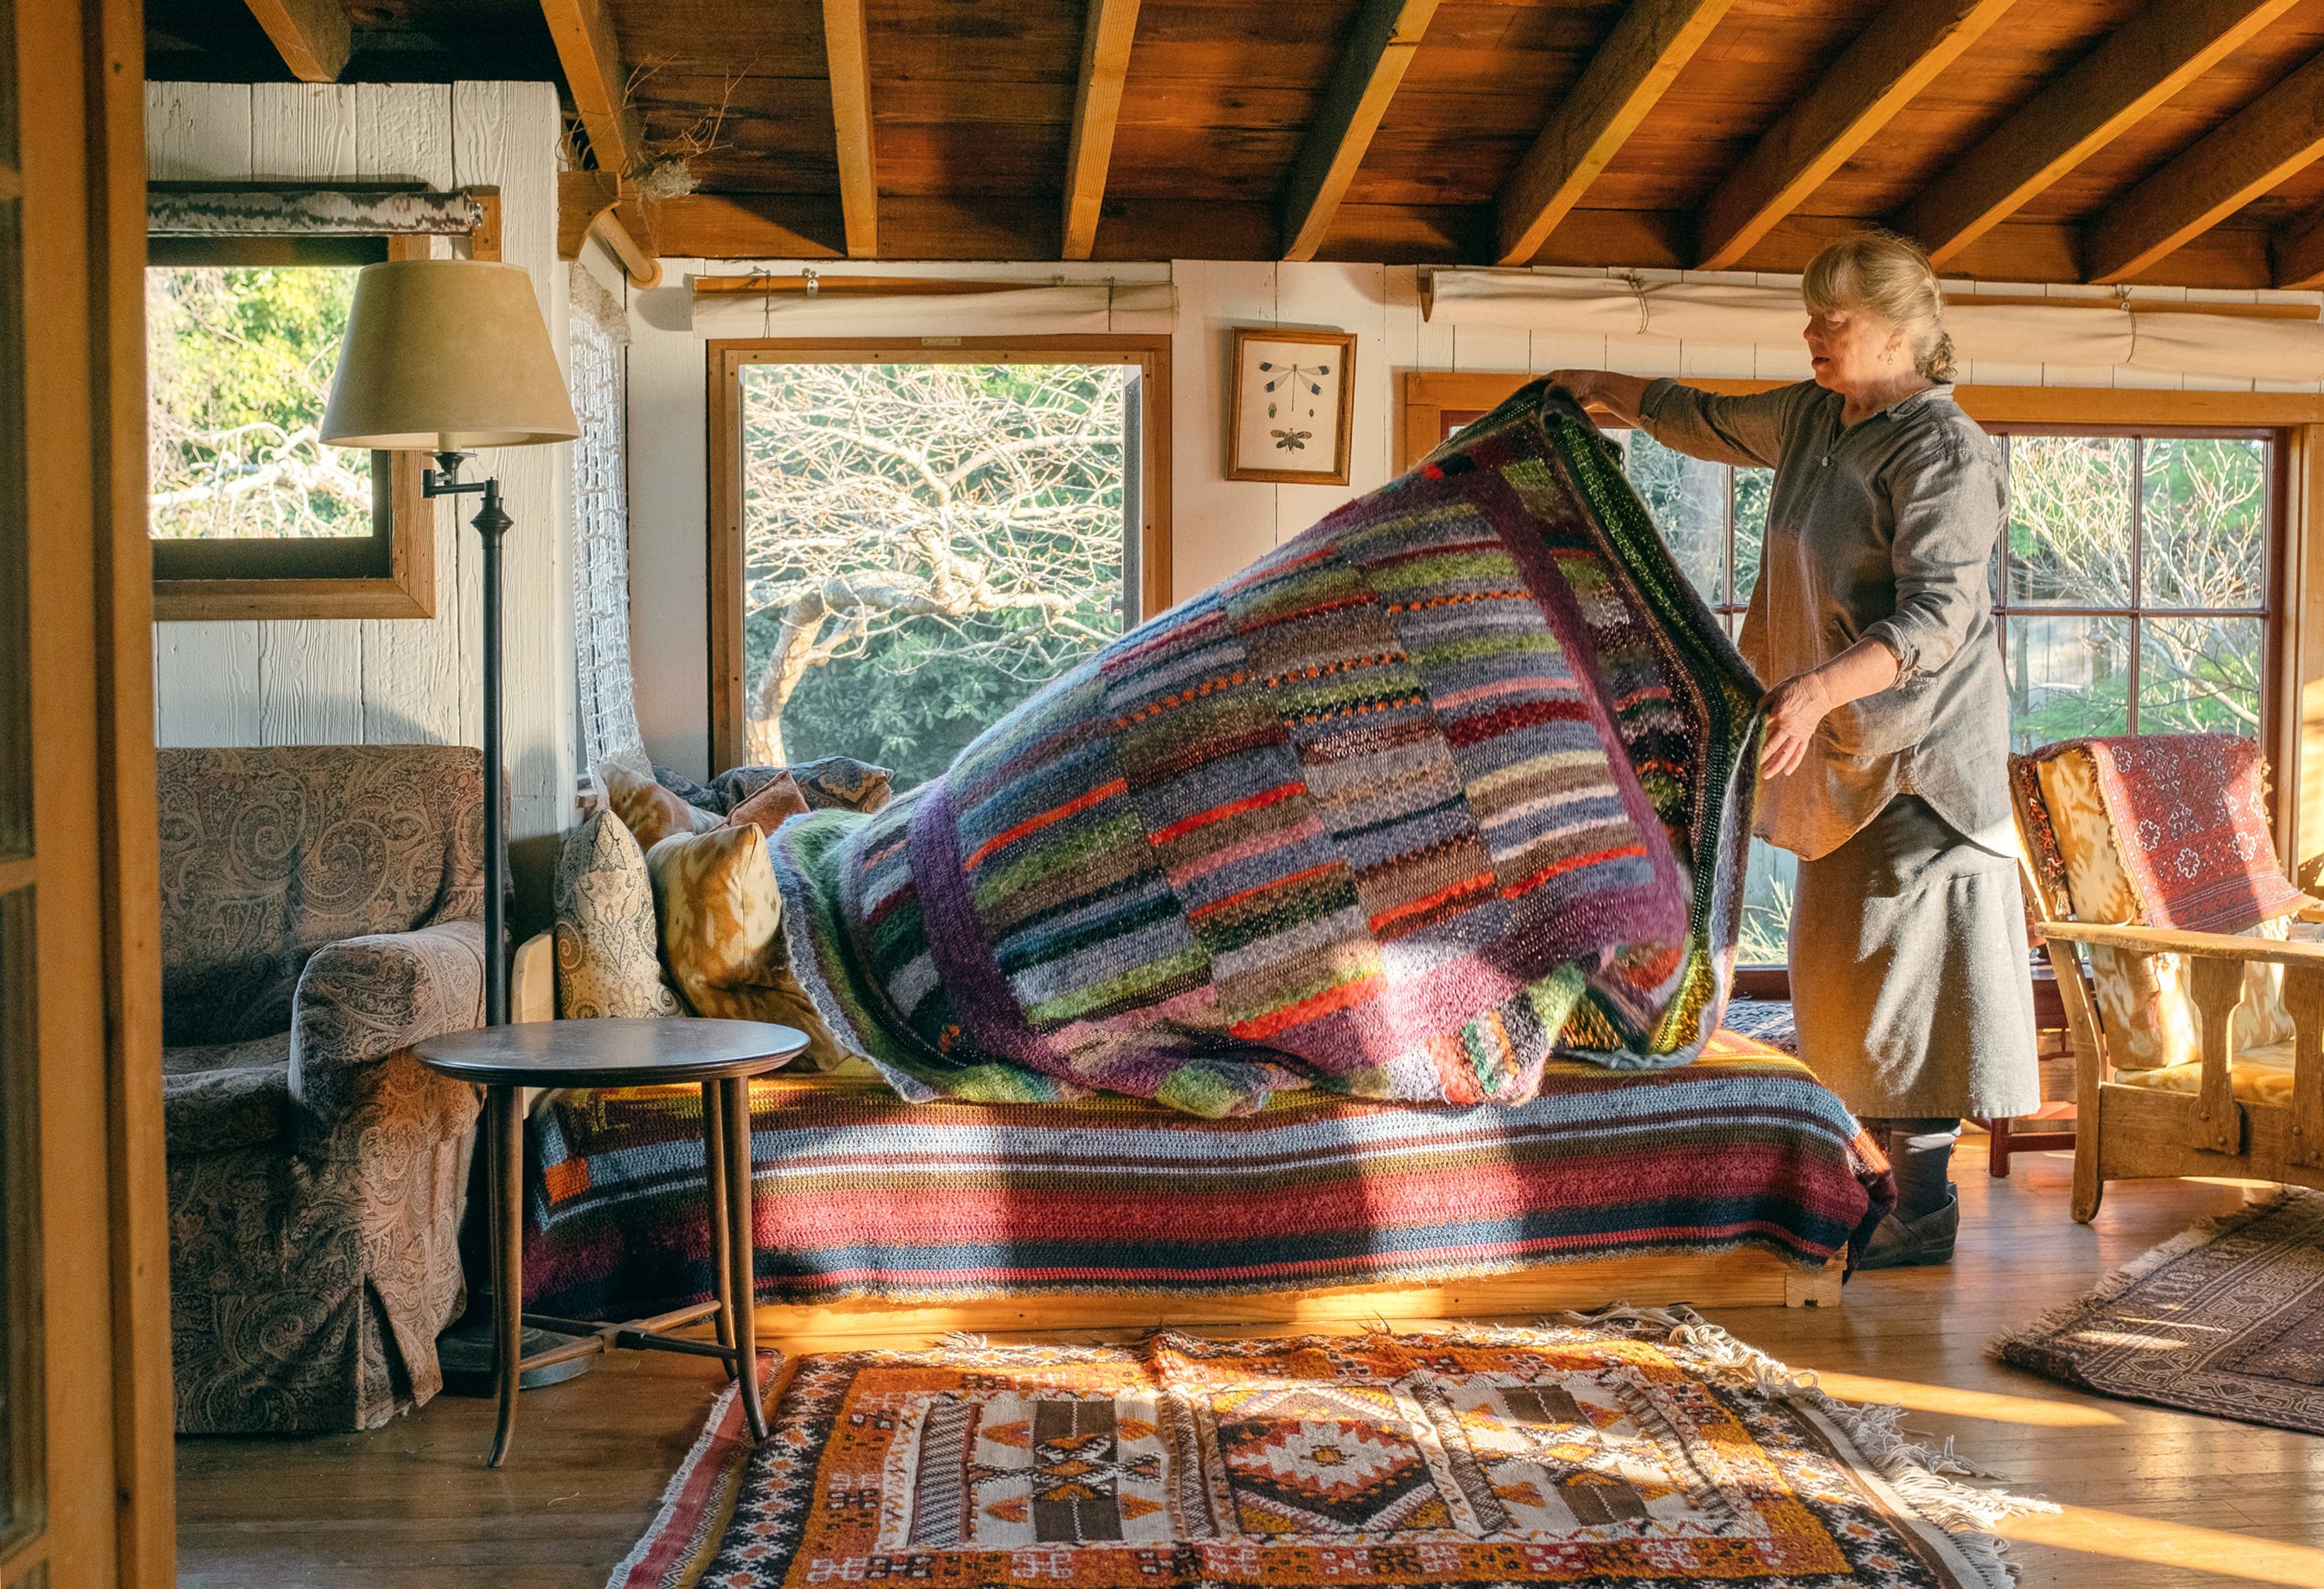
(1793, 708)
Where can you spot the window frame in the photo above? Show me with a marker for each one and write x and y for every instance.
(724, 360)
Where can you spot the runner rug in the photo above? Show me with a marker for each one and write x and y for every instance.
(2227, 1318)
(1633, 1446)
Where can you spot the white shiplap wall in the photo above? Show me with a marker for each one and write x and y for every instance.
(393, 681)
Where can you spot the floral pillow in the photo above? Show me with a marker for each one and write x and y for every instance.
(722, 933)
(607, 962)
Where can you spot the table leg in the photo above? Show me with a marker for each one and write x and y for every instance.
(714, 1164)
(504, 1123)
(742, 1251)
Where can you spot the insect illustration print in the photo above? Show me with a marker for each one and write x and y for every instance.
(1290, 440)
(1296, 386)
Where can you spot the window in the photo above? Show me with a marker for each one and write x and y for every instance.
(913, 541)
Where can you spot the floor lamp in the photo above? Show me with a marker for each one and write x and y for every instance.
(447, 356)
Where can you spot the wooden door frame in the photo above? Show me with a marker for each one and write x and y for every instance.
(723, 359)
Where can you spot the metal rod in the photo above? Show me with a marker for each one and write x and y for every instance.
(491, 524)
(741, 1249)
(505, 1123)
(713, 1166)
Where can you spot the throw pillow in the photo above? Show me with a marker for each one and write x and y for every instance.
(686, 788)
(607, 963)
(777, 799)
(842, 781)
(722, 933)
(649, 811)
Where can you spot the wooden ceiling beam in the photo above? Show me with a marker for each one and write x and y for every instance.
(2296, 251)
(847, 46)
(1097, 110)
(1635, 66)
(2249, 155)
(2135, 68)
(312, 35)
(1380, 45)
(586, 48)
(1877, 76)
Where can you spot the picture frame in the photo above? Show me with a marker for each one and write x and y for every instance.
(1294, 408)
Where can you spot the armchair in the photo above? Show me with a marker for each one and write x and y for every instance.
(2197, 1024)
(318, 917)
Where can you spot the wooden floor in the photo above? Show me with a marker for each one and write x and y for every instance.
(2154, 1499)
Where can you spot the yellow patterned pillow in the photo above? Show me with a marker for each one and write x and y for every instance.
(646, 808)
(2144, 1001)
(722, 933)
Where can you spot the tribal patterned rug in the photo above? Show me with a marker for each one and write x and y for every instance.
(1458, 778)
(1632, 1448)
(2227, 1318)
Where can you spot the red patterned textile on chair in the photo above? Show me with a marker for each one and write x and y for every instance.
(2189, 817)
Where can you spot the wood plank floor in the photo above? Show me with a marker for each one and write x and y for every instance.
(2155, 1500)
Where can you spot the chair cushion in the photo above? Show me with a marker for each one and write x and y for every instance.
(722, 933)
(2257, 1075)
(220, 1096)
(2145, 1002)
(608, 962)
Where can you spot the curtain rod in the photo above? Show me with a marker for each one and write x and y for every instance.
(812, 285)
(2140, 306)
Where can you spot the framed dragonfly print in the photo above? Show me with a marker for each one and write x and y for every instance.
(1293, 405)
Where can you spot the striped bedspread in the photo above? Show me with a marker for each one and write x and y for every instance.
(860, 1193)
(1439, 787)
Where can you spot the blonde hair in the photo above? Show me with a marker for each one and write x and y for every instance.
(1889, 278)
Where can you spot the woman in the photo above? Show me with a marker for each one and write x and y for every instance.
(1888, 729)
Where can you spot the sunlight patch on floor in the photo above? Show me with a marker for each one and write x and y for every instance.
(2213, 1551)
(1989, 1405)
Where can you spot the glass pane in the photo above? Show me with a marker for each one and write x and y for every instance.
(1752, 488)
(2205, 536)
(2070, 521)
(239, 369)
(2068, 678)
(1770, 883)
(2199, 675)
(923, 546)
(1688, 500)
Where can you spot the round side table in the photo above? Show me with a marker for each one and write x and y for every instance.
(722, 1056)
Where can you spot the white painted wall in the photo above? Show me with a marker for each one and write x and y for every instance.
(411, 680)
(1217, 524)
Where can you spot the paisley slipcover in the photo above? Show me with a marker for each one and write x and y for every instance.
(318, 917)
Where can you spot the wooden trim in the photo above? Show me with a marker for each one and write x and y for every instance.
(2300, 777)
(762, 285)
(1875, 77)
(581, 198)
(723, 360)
(1342, 452)
(591, 54)
(313, 36)
(1097, 110)
(1382, 43)
(847, 47)
(2253, 152)
(1630, 72)
(2135, 69)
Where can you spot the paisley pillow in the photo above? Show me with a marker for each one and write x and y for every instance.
(607, 963)
(722, 933)
(649, 810)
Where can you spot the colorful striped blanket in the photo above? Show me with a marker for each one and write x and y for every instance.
(1445, 785)
(861, 1194)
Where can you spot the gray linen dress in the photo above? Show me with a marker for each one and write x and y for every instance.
(1909, 959)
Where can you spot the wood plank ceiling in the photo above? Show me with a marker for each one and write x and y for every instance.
(2151, 140)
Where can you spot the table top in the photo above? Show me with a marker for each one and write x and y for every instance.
(611, 1053)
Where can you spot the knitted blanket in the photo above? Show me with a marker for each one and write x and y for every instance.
(1442, 786)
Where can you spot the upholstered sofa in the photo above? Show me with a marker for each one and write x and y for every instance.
(320, 910)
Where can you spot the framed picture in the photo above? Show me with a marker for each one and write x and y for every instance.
(1292, 409)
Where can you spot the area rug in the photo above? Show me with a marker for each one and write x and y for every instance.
(2227, 1318)
(1632, 1446)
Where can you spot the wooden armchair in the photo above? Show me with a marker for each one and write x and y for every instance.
(2249, 1002)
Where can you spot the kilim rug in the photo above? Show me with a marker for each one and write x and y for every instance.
(2227, 1318)
(1632, 1447)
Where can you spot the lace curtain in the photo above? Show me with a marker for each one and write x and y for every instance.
(606, 696)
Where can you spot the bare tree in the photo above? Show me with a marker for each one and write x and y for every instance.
(878, 496)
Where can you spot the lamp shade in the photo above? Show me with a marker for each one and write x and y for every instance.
(446, 355)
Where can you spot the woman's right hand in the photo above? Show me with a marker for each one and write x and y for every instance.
(1581, 384)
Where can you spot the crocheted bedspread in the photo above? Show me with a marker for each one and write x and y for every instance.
(1445, 785)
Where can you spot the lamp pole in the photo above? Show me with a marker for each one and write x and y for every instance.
(491, 523)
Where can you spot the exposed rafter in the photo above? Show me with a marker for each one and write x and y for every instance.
(1654, 39)
(1097, 109)
(2297, 251)
(847, 47)
(1380, 45)
(1875, 77)
(2249, 155)
(593, 203)
(2137, 67)
(582, 32)
(312, 35)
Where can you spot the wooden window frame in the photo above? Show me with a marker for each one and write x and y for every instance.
(723, 362)
(407, 589)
